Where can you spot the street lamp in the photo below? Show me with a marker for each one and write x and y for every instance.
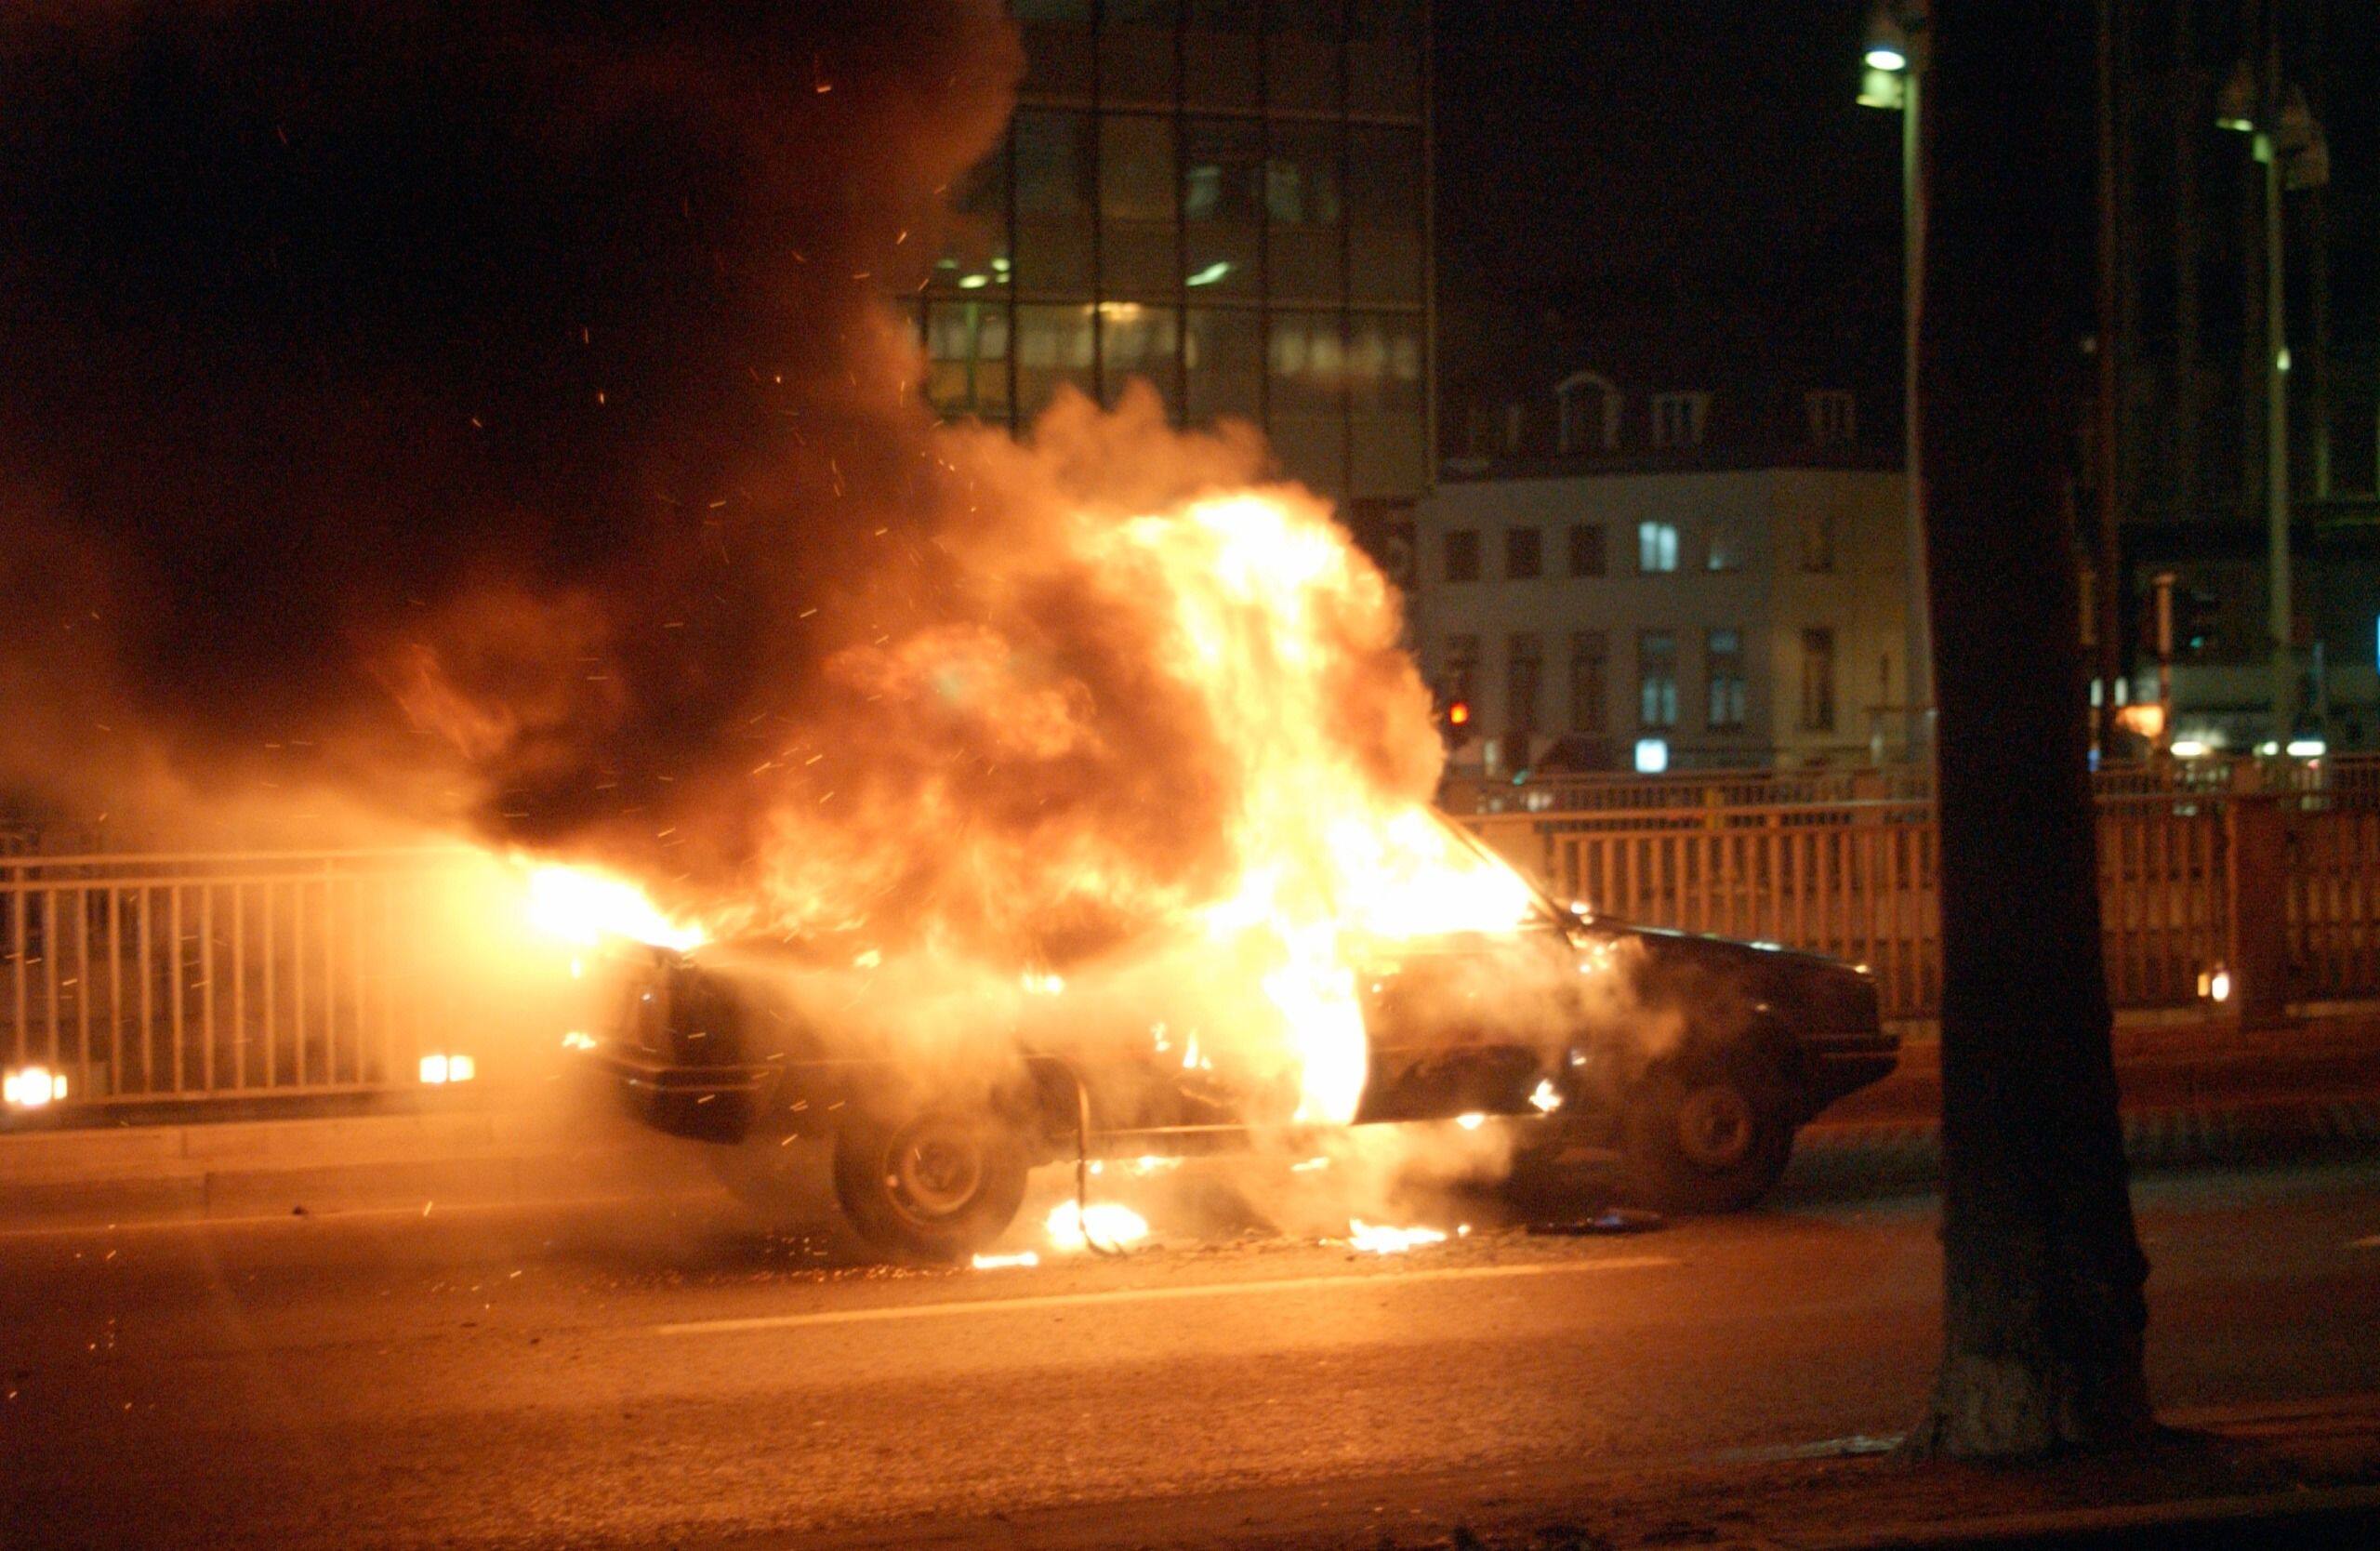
(1893, 59)
(2289, 145)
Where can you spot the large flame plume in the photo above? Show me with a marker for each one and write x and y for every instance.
(518, 435)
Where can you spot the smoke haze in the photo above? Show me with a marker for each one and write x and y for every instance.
(458, 402)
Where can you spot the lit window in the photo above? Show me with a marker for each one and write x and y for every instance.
(1656, 679)
(1678, 418)
(1723, 656)
(1655, 547)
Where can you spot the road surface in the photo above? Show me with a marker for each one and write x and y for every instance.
(656, 1373)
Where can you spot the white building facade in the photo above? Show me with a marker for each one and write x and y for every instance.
(1688, 617)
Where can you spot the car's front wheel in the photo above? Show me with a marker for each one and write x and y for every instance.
(1706, 1134)
(937, 1186)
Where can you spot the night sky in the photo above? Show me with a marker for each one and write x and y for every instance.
(1628, 157)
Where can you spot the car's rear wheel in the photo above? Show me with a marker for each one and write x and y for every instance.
(937, 1186)
(1706, 1134)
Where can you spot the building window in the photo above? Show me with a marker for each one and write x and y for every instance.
(1053, 201)
(1462, 668)
(1138, 340)
(1678, 418)
(1523, 554)
(1304, 217)
(966, 358)
(1137, 208)
(1588, 694)
(1656, 679)
(1818, 681)
(1462, 554)
(1590, 406)
(1817, 541)
(1727, 552)
(1722, 658)
(1522, 664)
(1586, 549)
(1656, 548)
(1832, 413)
(1383, 214)
(1222, 360)
(1223, 186)
(1053, 350)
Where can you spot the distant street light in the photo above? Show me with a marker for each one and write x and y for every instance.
(2290, 146)
(1895, 62)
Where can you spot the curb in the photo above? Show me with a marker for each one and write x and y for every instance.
(361, 1163)
(2336, 1516)
(1843, 1158)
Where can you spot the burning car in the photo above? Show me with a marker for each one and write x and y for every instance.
(1691, 1061)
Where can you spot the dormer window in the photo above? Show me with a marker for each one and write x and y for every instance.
(1832, 413)
(1678, 418)
(1590, 413)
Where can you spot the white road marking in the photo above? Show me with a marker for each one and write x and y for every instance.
(1147, 1294)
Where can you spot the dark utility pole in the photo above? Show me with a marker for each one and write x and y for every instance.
(2043, 1312)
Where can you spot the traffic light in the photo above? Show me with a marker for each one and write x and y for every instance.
(1454, 723)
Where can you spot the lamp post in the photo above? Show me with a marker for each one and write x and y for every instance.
(1894, 62)
(2288, 144)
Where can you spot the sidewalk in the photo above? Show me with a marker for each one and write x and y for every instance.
(558, 1151)
(2270, 1478)
(2194, 1092)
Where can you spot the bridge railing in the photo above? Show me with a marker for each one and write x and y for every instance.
(1858, 879)
(181, 976)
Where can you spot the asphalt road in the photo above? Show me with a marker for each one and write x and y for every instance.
(656, 1372)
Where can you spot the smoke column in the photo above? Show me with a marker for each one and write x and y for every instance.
(461, 402)
(496, 411)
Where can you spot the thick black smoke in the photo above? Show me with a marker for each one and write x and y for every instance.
(461, 401)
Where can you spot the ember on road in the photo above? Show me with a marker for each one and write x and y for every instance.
(644, 1374)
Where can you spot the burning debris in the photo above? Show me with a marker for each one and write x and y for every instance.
(1108, 1225)
(1376, 1238)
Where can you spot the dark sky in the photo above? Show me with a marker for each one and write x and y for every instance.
(1589, 144)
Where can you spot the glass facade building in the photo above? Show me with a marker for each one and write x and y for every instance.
(1228, 199)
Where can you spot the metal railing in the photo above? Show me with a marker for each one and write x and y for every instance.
(180, 976)
(1858, 880)
(1845, 785)
(177, 976)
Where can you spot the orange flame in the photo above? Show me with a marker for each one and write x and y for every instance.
(582, 907)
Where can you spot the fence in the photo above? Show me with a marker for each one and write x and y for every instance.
(1570, 794)
(180, 976)
(1858, 879)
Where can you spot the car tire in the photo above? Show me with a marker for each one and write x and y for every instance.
(1706, 1134)
(936, 1187)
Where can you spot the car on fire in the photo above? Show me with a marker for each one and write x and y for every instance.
(1688, 1061)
